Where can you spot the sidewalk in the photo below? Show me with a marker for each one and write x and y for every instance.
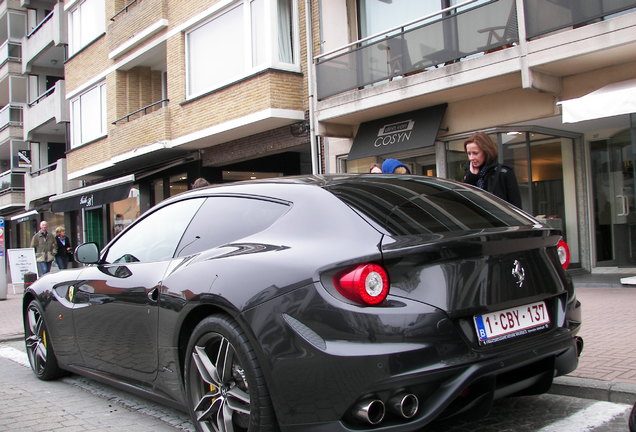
(11, 315)
(607, 366)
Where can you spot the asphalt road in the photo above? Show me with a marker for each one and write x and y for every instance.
(79, 404)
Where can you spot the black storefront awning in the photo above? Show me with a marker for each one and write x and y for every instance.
(92, 196)
(398, 133)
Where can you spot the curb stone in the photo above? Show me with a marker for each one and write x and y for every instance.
(594, 389)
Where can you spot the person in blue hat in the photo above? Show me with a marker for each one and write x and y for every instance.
(394, 166)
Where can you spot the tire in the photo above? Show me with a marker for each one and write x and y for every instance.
(632, 419)
(225, 388)
(38, 344)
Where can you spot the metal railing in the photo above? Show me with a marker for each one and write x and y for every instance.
(545, 16)
(142, 111)
(448, 36)
(44, 170)
(123, 10)
(436, 39)
(44, 95)
(41, 23)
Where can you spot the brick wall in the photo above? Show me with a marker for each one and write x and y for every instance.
(88, 155)
(86, 64)
(148, 129)
(137, 18)
(269, 90)
(128, 90)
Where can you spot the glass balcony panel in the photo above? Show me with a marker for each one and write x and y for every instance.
(545, 16)
(10, 116)
(10, 51)
(11, 180)
(416, 48)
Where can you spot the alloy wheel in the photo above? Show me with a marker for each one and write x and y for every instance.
(221, 396)
(36, 340)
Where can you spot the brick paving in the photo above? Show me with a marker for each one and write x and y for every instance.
(28, 404)
(609, 333)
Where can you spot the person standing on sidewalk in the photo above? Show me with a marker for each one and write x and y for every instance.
(64, 251)
(45, 248)
(483, 170)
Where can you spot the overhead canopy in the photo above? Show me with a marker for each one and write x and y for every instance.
(91, 196)
(612, 100)
(397, 133)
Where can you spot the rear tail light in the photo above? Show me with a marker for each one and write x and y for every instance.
(564, 253)
(367, 284)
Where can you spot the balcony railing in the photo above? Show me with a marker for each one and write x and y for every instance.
(44, 95)
(11, 180)
(41, 23)
(124, 9)
(141, 111)
(545, 16)
(436, 39)
(10, 51)
(448, 36)
(44, 170)
(10, 115)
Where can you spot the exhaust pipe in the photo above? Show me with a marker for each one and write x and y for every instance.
(370, 411)
(404, 405)
(579, 345)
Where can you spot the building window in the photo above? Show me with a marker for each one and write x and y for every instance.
(88, 116)
(239, 41)
(377, 16)
(86, 23)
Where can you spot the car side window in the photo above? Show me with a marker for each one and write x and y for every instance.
(224, 220)
(154, 237)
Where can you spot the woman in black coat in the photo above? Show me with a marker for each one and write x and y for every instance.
(483, 170)
(64, 250)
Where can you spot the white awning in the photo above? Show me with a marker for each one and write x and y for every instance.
(612, 100)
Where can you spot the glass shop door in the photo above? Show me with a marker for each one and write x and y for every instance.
(613, 196)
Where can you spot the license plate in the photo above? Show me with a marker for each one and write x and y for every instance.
(513, 322)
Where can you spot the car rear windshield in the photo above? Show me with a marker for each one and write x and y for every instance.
(421, 205)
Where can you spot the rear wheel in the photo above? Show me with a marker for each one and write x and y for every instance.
(224, 385)
(38, 346)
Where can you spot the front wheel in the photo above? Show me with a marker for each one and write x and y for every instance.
(38, 345)
(224, 385)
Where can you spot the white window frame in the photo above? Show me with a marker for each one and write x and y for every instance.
(76, 40)
(79, 131)
(271, 55)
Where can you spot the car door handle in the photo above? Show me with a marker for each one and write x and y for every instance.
(153, 294)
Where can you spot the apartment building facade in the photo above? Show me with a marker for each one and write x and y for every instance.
(13, 96)
(552, 81)
(158, 93)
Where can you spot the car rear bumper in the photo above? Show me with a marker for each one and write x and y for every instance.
(464, 389)
(324, 365)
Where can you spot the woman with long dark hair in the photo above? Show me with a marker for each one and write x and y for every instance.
(484, 171)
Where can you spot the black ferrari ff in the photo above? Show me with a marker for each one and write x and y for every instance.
(320, 303)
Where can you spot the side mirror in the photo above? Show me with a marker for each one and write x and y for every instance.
(87, 253)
